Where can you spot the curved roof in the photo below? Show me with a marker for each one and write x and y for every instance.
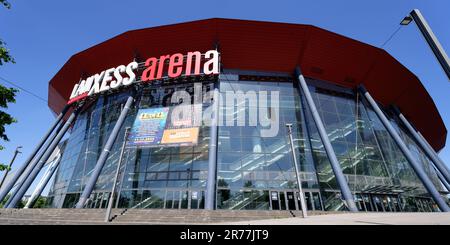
(267, 46)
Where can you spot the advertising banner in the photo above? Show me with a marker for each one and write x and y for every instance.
(180, 136)
(152, 128)
(148, 127)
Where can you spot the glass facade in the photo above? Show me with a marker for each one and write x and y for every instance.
(253, 171)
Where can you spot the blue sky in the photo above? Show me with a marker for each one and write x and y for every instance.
(43, 34)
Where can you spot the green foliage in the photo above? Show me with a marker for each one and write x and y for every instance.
(20, 204)
(5, 57)
(4, 200)
(5, 3)
(40, 202)
(6, 94)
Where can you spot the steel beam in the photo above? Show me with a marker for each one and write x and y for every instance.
(426, 181)
(340, 178)
(47, 153)
(442, 179)
(104, 155)
(24, 166)
(33, 165)
(431, 154)
(44, 181)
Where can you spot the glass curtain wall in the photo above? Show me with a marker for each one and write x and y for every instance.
(150, 177)
(372, 163)
(254, 170)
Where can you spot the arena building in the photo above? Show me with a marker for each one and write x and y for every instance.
(194, 115)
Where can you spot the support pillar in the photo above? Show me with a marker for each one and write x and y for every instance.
(104, 155)
(44, 181)
(211, 181)
(29, 180)
(431, 154)
(442, 179)
(340, 178)
(24, 166)
(429, 186)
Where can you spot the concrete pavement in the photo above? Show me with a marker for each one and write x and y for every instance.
(357, 219)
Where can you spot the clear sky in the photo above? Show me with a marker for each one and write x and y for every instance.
(42, 35)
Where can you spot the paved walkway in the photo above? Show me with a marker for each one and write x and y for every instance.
(358, 219)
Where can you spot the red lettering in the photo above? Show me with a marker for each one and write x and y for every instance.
(149, 73)
(175, 65)
(190, 56)
(79, 97)
(162, 60)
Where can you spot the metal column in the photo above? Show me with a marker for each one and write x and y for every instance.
(24, 166)
(116, 176)
(442, 179)
(29, 180)
(340, 178)
(44, 181)
(432, 150)
(33, 165)
(212, 156)
(414, 164)
(104, 155)
(432, 41)
(431, 154)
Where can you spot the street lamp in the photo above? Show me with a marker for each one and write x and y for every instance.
(406, 21)
(297, 172)
(10, 165)
(116, 176)
(431, 39)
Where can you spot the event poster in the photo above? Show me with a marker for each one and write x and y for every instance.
(148, 128)
(152, 129)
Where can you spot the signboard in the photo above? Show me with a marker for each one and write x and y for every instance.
(155, 68)
(152, 129)
(148, 127)
(180, 136)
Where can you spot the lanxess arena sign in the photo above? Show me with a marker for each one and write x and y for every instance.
(172, 66)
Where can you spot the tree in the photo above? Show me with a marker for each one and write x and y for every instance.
(7, 95)
(40, 202)
(20, 204)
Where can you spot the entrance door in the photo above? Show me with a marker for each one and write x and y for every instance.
(197, 199)
(396, 203)
(368, 202)
(290, 200)
(184, 203)
(378, 203)
(173, 200)
(360, 202)
(274, 200)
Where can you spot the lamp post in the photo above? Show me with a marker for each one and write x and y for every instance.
(111, 197)
(297, 172)
(431, 39)
(10, 165)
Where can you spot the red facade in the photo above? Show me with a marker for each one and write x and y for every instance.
(267, 46)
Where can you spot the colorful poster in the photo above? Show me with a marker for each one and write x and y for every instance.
(180, 136)
(148, 127)
(152, 129)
